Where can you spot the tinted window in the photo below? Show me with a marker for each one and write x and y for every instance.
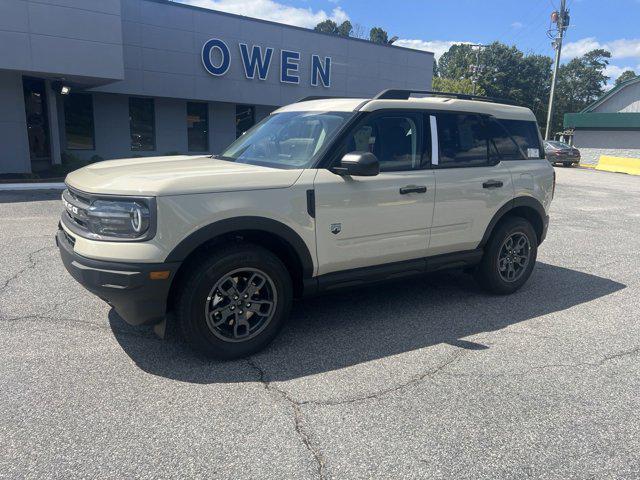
(526, 136)
(142, 125)
(396, 140)
(78, 121)
(198, 127)
(462, 140)
(245, 118)
(501, 145)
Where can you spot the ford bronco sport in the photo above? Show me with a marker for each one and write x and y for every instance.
(321, 194)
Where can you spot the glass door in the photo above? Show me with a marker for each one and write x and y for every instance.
(35, 102)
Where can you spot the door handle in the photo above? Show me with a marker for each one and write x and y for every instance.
(492, 184)
(413, 189)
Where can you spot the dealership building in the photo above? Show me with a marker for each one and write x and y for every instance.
(101, 79)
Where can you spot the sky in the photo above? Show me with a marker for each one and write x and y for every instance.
(435, 25)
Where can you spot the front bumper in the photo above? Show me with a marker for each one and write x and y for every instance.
(127, 287)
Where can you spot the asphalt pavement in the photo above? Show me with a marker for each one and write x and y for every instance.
(426, 378)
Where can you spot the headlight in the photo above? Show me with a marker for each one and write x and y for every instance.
(105, 218)
(118, 218)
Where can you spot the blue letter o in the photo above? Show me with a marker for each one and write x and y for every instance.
(206, 57)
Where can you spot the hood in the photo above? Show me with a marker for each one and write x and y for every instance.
(176, 175)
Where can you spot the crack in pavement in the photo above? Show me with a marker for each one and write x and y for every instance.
(386, 391)
(32, 263)
(599, 363)
(75, 321)
(297, 416)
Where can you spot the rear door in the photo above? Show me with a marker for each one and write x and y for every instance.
(532, 173)
(366, 221)
(472, 182)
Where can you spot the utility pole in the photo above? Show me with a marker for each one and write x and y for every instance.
(476, 69)
(561, 19)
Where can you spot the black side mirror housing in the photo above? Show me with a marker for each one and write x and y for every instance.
(358, 164)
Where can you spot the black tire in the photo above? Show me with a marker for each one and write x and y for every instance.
(195, 301)
(488, 274)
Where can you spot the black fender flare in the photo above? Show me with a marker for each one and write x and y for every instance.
(530, 202)
(236, 224)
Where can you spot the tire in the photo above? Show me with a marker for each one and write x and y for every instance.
(211, 306)
(488, 273)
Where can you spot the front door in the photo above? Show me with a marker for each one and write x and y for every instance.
(35, 103)
(366, 221)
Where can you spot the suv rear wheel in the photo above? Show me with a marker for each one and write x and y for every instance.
(234, 301)
(509, 256)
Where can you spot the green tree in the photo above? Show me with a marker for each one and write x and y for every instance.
(580, 82)
(625, 77)
(455, 85)
(378, 35)
(345, 29)
(504, 72)
(327, 26)
(331, 27)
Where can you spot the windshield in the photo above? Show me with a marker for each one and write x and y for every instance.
(555, 144)
(286, 140)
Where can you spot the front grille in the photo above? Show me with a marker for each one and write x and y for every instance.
(76, 205)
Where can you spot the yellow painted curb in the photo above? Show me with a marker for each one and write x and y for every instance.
(587, 165)
(619, 164)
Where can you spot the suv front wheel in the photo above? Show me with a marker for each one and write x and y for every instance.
(234, 301)
(509, 256)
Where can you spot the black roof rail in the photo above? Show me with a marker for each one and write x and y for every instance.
(401, 94)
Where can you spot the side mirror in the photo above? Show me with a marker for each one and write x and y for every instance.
(358, 164)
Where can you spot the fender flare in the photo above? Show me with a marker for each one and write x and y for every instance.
(530, 202)
(236, 224)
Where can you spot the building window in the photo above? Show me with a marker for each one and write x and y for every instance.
(245, 118)
(78, 121)
(142, 124)
(198, 126)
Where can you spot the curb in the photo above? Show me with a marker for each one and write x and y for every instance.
(17, 187)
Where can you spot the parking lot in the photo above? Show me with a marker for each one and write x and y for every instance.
(426, 378)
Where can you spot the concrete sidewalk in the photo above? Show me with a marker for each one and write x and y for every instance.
(32, 186)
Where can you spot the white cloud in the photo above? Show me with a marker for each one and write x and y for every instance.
(438, 47)
(272, 10)
(621, 48)
(517, 25)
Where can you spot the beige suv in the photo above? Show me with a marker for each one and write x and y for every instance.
(322, 194)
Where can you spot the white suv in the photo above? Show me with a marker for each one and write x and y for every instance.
(324, 193)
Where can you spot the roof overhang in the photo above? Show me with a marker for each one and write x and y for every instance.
(617, 121)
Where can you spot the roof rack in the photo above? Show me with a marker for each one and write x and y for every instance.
(315, 97)
(400, 94)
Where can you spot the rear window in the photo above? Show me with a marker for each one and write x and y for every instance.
(526, 135)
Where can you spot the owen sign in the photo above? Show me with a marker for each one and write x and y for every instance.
(257, 61)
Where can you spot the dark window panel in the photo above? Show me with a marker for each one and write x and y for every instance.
(78, 122)
(142, 124)
(198, 126)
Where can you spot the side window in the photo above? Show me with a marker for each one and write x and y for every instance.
(501, 145)
(395, 139)
(526, 135)
(462, 140)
